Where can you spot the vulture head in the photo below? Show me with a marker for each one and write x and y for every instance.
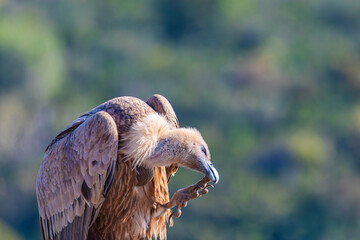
(153, 142)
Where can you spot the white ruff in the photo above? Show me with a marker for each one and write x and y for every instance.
(142, 138)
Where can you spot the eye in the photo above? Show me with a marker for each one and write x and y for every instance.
(203, 149)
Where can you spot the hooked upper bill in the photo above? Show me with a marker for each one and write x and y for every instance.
(208, 169)
(212, 173)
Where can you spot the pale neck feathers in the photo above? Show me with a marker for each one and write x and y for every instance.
(141, 143)
(142, 138)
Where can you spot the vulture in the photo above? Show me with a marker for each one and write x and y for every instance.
(105, 176)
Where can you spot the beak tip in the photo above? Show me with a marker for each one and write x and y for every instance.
(213, 174)
(216, 179)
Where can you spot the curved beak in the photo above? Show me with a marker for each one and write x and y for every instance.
(204, 166)
(207, 168)
(212, 173)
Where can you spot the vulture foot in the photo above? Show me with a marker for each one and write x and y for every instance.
(182, 196)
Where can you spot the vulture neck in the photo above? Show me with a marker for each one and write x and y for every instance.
(152, 142)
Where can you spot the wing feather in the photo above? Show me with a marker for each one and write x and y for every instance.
(75, 175)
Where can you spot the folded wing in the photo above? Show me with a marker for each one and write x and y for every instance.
(75, 176)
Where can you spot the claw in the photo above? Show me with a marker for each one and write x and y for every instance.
(182, 196)
(170, 221)
(183, 204)
(203, 191)
(176, 213)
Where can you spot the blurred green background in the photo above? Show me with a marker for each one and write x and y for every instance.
(272, 85)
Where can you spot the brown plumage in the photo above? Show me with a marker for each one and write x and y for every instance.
(105, 176)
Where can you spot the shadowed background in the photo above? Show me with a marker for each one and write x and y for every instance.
(272, 85)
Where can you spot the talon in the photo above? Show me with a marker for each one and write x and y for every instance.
(170, 221)
(203, 192)
(170, 217)
(177, 214)
(182, 196)
(183, 204)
